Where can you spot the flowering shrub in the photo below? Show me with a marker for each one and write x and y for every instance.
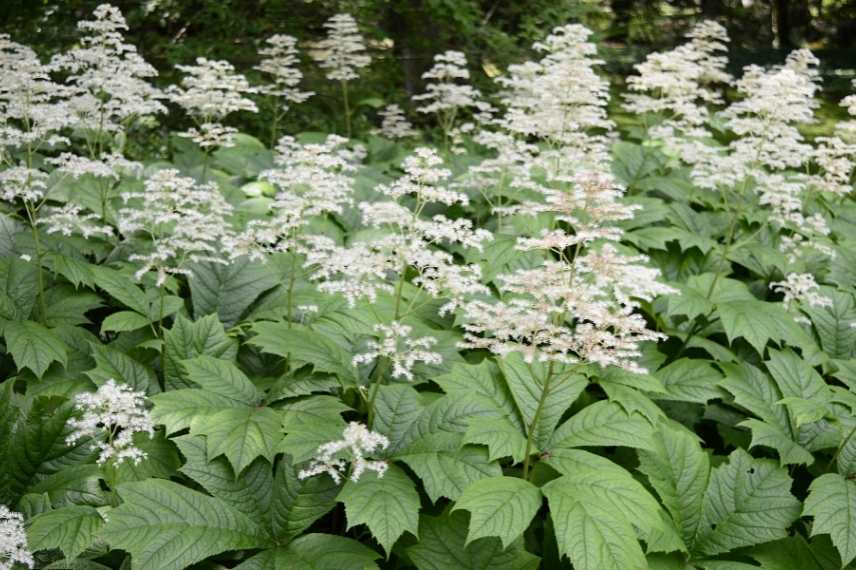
(527, 338)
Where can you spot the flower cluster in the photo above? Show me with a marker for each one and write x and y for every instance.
(312, 180)
(279, 63)
(111, 416)
(448, 90)
(678, 84)
(343, 52)
(13, 541)
(401, 349)
(109, 80)
(336, 457)
(394, 125)
(802, 289)
(580, 302)
(209, 91)
(363, 268)
(175, 221)
(33, 108)
(561, 98)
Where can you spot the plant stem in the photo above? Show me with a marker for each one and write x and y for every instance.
(380, 369)
(530, 436)
(347, 109)
(31, 216)
(290, 294)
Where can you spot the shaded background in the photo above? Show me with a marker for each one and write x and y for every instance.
(405, 34)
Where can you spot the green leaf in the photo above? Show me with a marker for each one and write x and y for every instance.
(795, 552)
(701, 292)
(302, 441)
(831, 502)
(189, 339)
(68, 307)
(286, 504)
(77, 271)
(834, 324)
(34, 346)
(37, 448)
(603, 424)
(446, 468)
(115, 364)
(748, 501)
(317, 408)
(481, 383)
(176, 409)
(500, 435)
(162, 459)
(296, 504)
(804, 392)
(397, 408)
(756, 321)
(592, 534)
(755, 391)
(500, 506)
(119, 286)
(229, 290)
(632, 162)
(689, 381)
(18, 287)
(591, 478)
(166, 526)
(678, 470)
(315, 552)
(442, 546)
(73, 484)
(250, 491)
(305, 346)
(221, 377)
(124, 321)
(388, 506)
(71, 529)
(241, 434)
(526, 381)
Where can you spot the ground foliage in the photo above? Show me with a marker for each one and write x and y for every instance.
(725, 439)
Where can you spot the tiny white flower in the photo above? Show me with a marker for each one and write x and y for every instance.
(111, 416)
(401, 349)
(13, 540)
(336, 457)
(342, 52)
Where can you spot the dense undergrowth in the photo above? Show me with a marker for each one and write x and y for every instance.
(525, 339)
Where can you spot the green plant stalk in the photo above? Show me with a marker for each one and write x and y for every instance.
(39, 271)
(290, 293)
(380, 369)
(347, 109)
(530, 436)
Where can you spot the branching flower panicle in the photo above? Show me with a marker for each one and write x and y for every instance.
(394, 125)
(336, 458)
(679, 84)
(279, 63)
(13, 541)
(343, 52)
(401, 349)
(175, 221)
(111, 416)
(110, 80)
(209, 91)
(802, 289)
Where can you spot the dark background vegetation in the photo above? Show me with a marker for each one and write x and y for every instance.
(405, 34)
